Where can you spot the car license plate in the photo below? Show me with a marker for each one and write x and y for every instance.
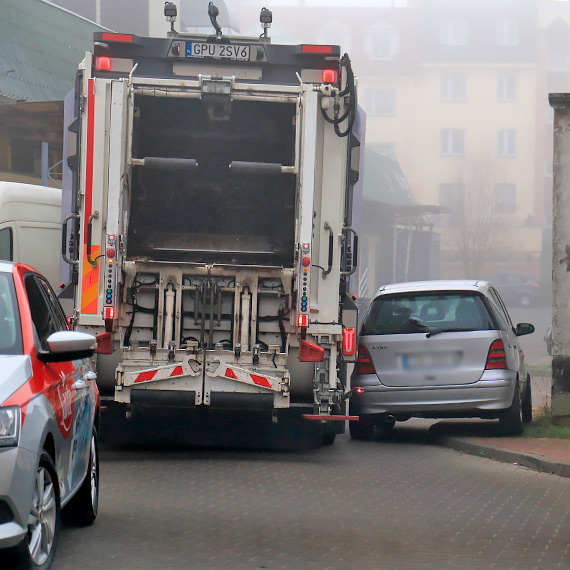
(217, 51)
(430, 360)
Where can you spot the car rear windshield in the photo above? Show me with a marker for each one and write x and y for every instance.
(406, 313)
(10, 329)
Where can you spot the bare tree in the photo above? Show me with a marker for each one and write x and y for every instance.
(477, 232)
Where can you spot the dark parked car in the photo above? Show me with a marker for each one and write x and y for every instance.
(516, 288)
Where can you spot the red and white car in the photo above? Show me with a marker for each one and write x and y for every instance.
(49, 415)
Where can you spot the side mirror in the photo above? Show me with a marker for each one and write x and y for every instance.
(524, 328)
(68, 345)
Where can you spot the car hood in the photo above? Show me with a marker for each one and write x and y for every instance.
(15, 371)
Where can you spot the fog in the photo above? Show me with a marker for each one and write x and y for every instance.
(457, 176)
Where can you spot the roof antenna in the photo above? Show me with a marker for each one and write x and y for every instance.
(213, 12)
(170, 13)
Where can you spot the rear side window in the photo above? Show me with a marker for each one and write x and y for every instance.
(417, 312)
(6, 244)
(10, 329)
(47, 317)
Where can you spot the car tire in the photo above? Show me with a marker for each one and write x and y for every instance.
(362, 429)
(524, 300)
(511, 420)
(328, 438)
(37, 550)
(526, 405)
(82, 508)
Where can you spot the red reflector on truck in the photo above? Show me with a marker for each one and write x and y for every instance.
(107, 37)
(316, 49)
(311, 352)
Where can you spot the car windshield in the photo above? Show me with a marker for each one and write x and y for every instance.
(10, 330)
(429, 312)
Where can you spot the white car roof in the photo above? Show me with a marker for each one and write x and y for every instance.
(435, 285)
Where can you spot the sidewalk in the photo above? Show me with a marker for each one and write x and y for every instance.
(547, 455)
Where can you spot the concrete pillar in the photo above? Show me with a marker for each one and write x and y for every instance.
(560, 102)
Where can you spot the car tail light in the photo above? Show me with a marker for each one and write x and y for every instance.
(364, 364)
(496, 359)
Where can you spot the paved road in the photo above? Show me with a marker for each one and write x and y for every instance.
(401, 504)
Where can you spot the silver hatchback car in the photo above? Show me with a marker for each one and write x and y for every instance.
(439, 349)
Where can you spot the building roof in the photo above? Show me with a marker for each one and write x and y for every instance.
(41, 45)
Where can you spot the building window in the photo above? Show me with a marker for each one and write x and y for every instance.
(26, 156)
(453, 87)
(452, 197)
(507, 142)
(507, 32)
(507, 87)
(455, 32)
(383, 44)
(505, 197)
(453, 142)
(381, 102)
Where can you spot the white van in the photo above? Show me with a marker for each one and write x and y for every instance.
(30, 227)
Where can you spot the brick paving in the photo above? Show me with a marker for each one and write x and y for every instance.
(399, 504)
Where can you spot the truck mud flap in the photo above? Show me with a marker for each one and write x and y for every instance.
(164, 398)
(236, 401)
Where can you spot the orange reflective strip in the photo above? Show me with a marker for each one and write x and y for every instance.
(90, 283)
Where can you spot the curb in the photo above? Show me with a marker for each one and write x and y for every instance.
(536, 462)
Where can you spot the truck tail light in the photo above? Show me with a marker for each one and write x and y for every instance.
(109, 312)
(303, 320)
(329, 76)
(496, 359)
(103, 63)
(364, 364)
(348, 341)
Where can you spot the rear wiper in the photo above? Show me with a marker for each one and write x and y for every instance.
(432, 332)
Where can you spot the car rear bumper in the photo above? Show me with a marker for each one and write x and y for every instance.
(493, 392)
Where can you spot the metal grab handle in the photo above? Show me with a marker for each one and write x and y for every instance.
(327, 226)
(64, 240)
(354, 251)
(94, 215)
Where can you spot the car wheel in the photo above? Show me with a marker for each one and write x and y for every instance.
(526, 406)
(524, 301)
(328, 438)
(362, 429)
(37, 550)
(386, 424)
(83, 507)
(511, 420)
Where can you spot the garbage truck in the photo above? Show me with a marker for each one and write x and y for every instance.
(210, 242)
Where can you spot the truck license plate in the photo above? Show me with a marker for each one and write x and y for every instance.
(217, 51)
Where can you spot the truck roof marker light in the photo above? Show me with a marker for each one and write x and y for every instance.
(316, 49)
(329, 75)
(348, 341)
(303, 320)
(108, 37)
(104, 63)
